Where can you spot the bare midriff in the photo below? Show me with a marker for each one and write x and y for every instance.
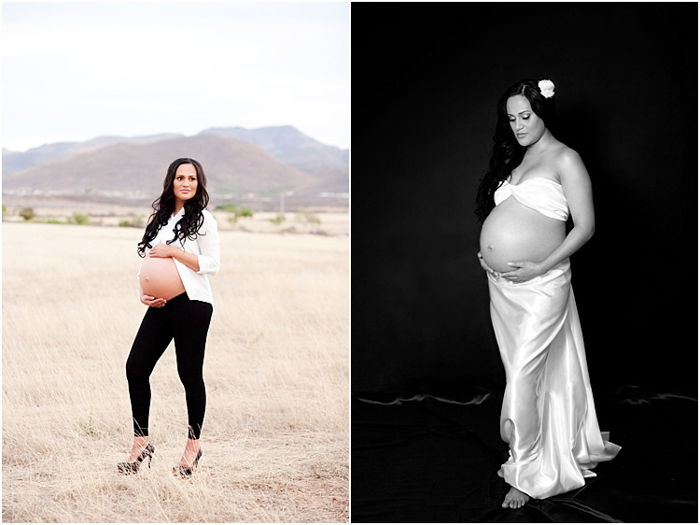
(159, 277)
(514, 232)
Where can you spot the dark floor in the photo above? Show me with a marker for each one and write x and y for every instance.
(427, 460)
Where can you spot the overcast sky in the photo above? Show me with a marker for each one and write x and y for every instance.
(73, 71)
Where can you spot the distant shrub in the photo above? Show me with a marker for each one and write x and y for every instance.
(54, 221)
(231, 208)
(4, 209)
(307, 217)
(27, 214)
(79, 218)
(236, 210)
(136, 221)
(278, 220)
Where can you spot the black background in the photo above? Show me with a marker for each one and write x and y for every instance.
(425, 82)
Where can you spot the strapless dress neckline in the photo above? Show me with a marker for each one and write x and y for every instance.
(531, 178)
(539, 193)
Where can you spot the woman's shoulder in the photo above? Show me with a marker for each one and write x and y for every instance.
(209, 217)
(560, 159)
(564, 156)
(209, 222)
(569, 164)
(556, 149)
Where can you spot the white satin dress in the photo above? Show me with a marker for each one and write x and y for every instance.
(548, 403)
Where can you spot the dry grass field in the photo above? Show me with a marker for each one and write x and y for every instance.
(275, 436)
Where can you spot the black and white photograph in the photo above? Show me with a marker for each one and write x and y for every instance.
(524, 262)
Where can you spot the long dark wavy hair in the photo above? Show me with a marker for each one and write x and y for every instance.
(507, 153)
(163, 207)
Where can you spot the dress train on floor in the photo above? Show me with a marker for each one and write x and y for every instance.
(548, 415)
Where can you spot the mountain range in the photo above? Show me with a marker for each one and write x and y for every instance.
(242, 165)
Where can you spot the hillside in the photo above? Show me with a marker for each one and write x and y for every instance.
(13, 161)
(244, 165)
(137, 170)
(287, 144)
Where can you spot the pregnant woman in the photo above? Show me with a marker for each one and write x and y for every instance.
(534, 182)
(181, 246)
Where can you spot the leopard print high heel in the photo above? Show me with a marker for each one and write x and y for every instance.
(132, 467)
(186, 472)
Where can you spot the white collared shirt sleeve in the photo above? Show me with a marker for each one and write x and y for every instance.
(206, 246)
(209, 256)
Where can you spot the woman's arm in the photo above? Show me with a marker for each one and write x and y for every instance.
(168, 250)
(207, 261)
(579, 196)
(209, 258)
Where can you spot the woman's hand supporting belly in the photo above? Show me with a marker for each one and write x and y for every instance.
(523, 271)
(159, 277)
(515, 233)
(486, 267)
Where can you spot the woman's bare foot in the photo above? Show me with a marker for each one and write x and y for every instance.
(190, 453)
(515, 499)
(140, 443)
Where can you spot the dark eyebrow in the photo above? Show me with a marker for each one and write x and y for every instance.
(523, 111)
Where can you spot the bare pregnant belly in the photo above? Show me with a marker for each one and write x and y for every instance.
(159, 278)
(514, 232)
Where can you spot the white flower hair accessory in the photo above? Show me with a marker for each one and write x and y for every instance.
(546, 88)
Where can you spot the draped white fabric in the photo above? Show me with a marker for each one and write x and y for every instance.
(548, 416)
(544, 195)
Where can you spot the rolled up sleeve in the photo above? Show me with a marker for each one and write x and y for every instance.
(209, 256)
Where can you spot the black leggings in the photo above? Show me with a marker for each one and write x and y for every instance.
(188, 322)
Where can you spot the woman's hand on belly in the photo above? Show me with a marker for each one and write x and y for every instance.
(524, 271)
(155, 302)
(191, 260)
(162, 250)
(159, 278)
(487, 267)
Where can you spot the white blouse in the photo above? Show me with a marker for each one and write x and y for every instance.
(207, 248)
